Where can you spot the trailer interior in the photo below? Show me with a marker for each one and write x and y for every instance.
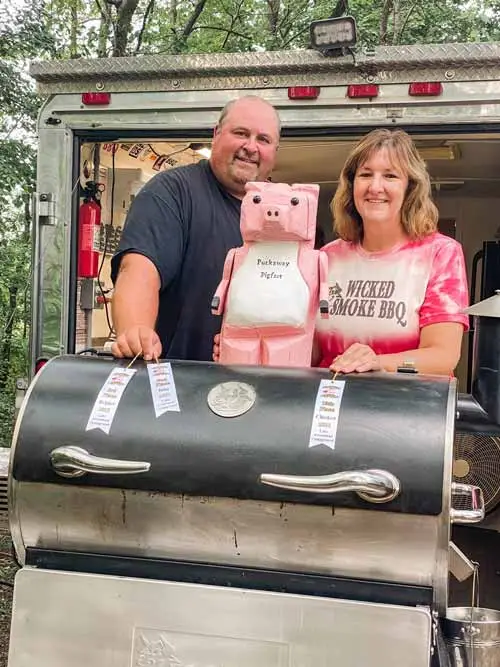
(464, 169)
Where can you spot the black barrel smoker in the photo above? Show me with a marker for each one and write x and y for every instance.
(224, 533)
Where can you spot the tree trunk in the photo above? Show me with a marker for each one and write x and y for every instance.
(125, 12)
(188, 28)
(273, 15)
(104, 25)
(179, 42)
(398, 37)
(142, 31)
(15, 288)
(7, 334)
(384, 21)
(173, 14)
(398, 20)
(73, 35)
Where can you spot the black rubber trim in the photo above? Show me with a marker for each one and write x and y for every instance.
(297, 583)
(338, 132)
(73, 280)
(472, 418)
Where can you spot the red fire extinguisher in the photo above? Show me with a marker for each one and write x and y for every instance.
(89, 231)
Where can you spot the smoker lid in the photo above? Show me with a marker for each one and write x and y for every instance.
(388, 421)
(487, 308)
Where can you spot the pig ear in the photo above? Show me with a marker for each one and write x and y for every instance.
(311, 188)
(254, 186)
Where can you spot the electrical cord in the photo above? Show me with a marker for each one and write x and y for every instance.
(111, 331)
(93, 351)
(167, 155)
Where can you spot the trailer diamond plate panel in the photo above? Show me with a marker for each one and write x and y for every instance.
(229, 70)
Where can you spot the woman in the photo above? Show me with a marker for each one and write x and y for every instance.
(397, 286)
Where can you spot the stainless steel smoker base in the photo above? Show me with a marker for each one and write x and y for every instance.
(83, 620)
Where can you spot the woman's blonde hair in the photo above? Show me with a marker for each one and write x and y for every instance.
(419, 214)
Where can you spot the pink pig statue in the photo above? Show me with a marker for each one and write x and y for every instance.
(273, 286)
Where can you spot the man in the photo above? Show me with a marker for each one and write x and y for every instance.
(177, 234)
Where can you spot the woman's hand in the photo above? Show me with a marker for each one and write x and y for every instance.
(357, 358)
(216, 348)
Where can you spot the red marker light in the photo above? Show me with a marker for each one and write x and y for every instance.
(426, 89)
(355, 91)
(95, 99)
(303, 92)
(39, 364)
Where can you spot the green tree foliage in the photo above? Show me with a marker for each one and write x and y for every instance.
(414, 22)
(22, 36)
(103, 28)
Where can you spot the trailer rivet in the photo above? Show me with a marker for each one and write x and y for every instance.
(370, 78)
(176, 83)
(265, 81)
(449, 74)
(99, 85)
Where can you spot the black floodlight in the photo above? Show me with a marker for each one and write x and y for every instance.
(333, 35)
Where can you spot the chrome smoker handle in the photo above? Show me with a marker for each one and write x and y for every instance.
(73, 461)
(375, 486)
(473, 515)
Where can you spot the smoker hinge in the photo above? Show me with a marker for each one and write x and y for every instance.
(434, 627)
(394, 113)
(45, 206)
(435, 630)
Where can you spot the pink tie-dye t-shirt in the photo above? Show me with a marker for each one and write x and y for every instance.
(383, 299)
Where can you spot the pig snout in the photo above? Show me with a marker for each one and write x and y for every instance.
(276, 214)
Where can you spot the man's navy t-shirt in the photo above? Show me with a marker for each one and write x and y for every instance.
(185, 223)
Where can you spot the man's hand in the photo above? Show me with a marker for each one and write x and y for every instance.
(357, 358)
(137, 340)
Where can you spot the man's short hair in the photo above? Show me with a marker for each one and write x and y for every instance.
(231, 103)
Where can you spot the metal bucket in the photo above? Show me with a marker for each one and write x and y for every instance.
(472, 642)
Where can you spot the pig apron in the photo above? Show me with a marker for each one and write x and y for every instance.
(268, 288)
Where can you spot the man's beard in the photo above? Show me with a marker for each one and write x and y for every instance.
(243, 174)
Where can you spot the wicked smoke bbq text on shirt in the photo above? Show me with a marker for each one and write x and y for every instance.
(367, 298)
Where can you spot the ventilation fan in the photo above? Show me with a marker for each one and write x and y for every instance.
(476, 460)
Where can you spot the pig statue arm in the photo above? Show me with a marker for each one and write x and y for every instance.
(323, 284)
(219, 298)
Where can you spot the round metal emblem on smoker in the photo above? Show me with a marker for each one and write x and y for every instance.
(231, 399)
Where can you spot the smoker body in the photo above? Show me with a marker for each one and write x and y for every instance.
(229, 544)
